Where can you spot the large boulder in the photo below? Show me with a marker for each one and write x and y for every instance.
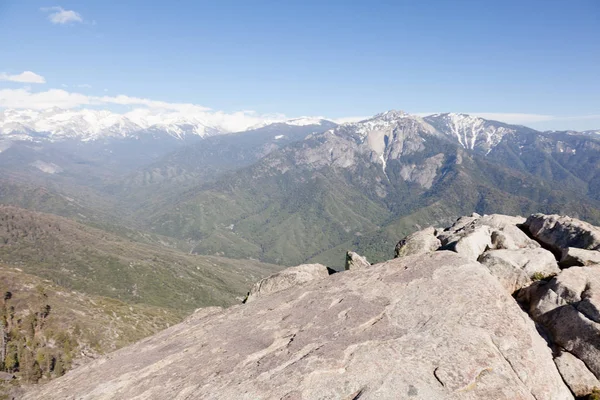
(574, 257)
(576, 375)
(516, 269)
(560, 232)
(434, 326)
(355, 261)
(505, 231)
(463, 222)
(500, 221)
(421, 242)
(473, 235)
(471, 243)
(287, 278)
(568, 307)
(512, 238)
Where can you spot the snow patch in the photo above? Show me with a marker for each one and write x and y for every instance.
(48, 168)
(303, 121)
(472, 132)
(382, 158)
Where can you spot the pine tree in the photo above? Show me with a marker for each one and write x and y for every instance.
(59, 367)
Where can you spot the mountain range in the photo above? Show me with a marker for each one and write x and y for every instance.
(153, 217)
(57, 124)
(361, 185)
(306, 190)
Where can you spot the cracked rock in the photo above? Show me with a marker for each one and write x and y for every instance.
(560, 232)
(572, 256)
(518, 268)
(379, 333)
(568, 307)
(576, 375)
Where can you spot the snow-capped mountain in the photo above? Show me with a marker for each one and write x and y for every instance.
(301, 121)
(471, 132)
(388, 137)
(86, 124)
(396, 137)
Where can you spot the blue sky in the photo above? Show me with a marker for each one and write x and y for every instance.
(539, 59)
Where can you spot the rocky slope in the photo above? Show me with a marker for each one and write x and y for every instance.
(482, 309)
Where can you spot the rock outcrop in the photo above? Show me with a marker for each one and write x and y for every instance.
(421, 242)
(287, 278)
(518, 268)
(426, 327)
(470, 243)
(355, 261)
(568, 308)
(565, 303)
(560, 232)
(497, 241)
(574, 257)
(576, 375)
(443, 320)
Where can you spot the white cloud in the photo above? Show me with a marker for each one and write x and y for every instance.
(137, 101)
(581, 117)
(85, 86)
(58, 15)
(145, 110)
(24, 77)
(24, 98)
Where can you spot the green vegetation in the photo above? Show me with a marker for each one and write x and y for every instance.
(539, 276)
(290, 214)
(97, 262)
(595, 395)
(37, 198)
(46, 329)
(25, 341)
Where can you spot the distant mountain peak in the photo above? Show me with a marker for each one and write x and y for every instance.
(303, 121)
(299, 121)
(392, 115)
